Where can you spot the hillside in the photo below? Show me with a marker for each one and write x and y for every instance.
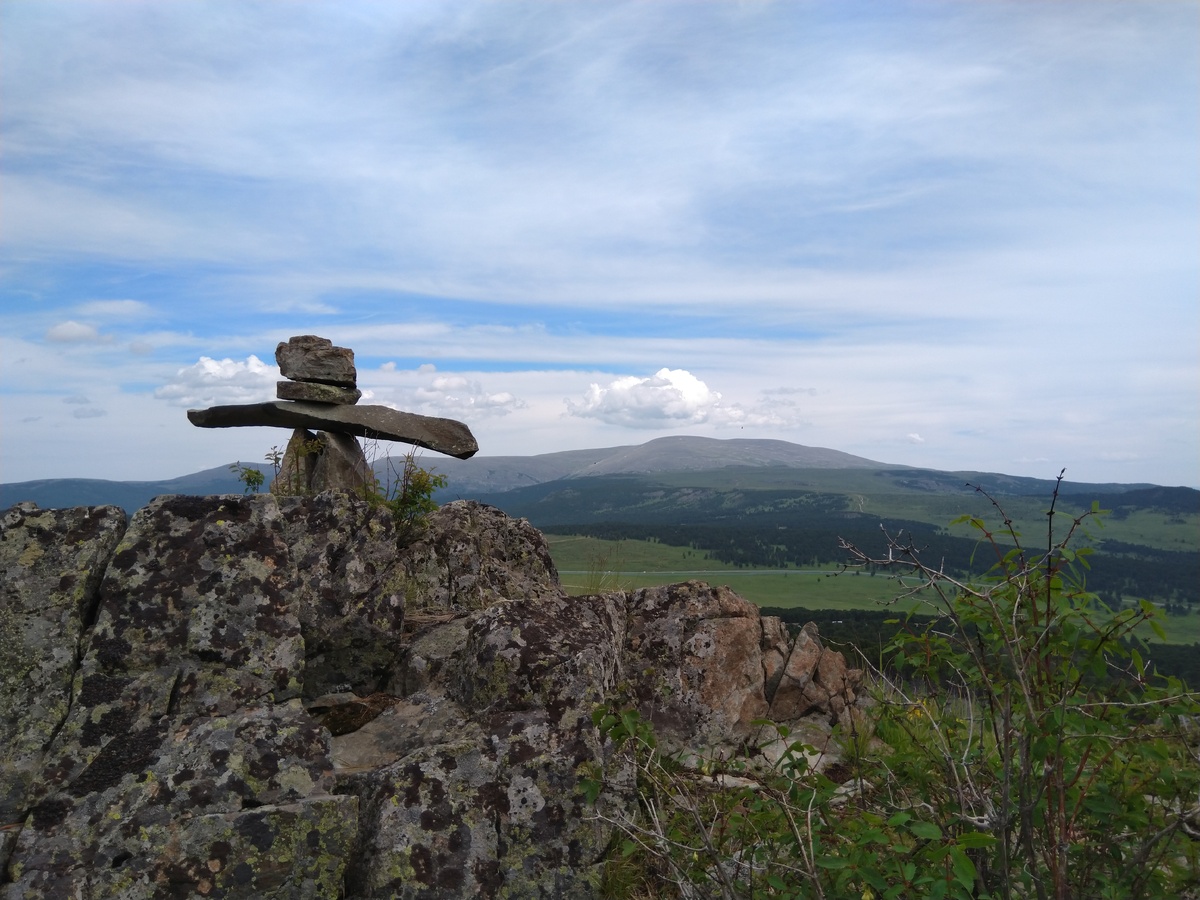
(770, 504)
(480, 474)
(752, 463)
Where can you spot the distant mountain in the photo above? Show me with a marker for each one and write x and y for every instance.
(760, 462)
(53, 493)
(492, 474)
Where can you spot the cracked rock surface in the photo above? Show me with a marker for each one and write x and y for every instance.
(261, 696)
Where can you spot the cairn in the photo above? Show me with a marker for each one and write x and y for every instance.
(321, 392)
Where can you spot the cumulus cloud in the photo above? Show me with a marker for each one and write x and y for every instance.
(914, 438)
(666, 399)
(463, 397)
(211, 382)
(72, 332)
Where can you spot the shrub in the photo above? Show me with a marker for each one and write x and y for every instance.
(407, 490)
(249, 476)
(1028, 753)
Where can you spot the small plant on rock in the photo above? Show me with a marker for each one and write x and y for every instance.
(407, 491)
(249, 476)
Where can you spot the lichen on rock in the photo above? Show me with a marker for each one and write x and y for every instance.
(261, 696)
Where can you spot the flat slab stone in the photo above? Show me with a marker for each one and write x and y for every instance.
(316, 393)
(380, 422)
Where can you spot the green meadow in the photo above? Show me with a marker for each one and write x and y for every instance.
(589, 565)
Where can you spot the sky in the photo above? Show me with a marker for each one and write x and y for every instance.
(955, 235)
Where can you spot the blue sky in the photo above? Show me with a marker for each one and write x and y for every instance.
(955, 235)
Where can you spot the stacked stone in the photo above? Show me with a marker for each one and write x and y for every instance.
(318, 372)
(321, 392)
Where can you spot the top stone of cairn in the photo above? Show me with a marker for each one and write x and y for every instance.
(314, 360)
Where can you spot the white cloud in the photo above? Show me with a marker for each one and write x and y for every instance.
(457, 395)
(72, 332)
(84, 407)
(767, 195)
(116, 309)
(668, 398)
(211, 382)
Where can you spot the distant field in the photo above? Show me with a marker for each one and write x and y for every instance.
(588, 565)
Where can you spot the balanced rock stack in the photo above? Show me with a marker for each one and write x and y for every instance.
(322, 392)
(318, 371)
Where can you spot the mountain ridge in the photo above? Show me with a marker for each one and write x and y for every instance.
(498, 474)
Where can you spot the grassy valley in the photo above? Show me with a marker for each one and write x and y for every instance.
(765, 517)
(772, 532)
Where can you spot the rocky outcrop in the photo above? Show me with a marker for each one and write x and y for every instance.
(261, 696)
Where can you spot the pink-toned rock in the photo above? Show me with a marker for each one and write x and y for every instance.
(792, 699)
(776, 647)
(694, 655)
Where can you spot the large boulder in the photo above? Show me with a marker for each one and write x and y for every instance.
(262, 696)
(694, 656)
(472, 556)
(187, 764)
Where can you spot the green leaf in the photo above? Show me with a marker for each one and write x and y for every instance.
(975, 840)
(832, 862)
(964, 869)
(926, 831)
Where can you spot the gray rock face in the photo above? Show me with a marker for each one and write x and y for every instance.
(442, 435)
(314, 359)
(279, 698)
(187, 762)
(51, 562)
